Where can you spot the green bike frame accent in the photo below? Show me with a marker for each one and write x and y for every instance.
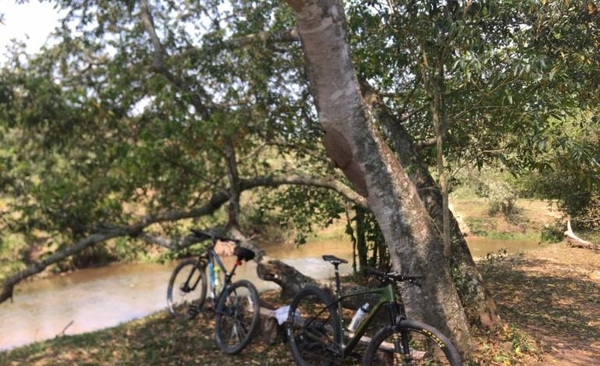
(387, 297)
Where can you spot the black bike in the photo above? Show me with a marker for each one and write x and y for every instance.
(317, 333)
(237, 308)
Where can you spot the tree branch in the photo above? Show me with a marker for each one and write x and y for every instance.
(576, 241)
(199, 101)
(148, 22)
(136, 229)
(282, 36)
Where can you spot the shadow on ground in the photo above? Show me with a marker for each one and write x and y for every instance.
(557, 304)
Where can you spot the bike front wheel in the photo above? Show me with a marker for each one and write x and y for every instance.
(187, 289)
(238, 317)
(313, 328)
(411, 343)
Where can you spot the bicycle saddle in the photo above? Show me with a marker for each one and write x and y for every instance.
(333, 259)
(243, 253)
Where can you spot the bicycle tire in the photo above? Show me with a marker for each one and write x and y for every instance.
(313, 331)
(186, 292)
(238, 317)
(418, 344)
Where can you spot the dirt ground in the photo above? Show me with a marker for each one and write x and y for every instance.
(553, 294)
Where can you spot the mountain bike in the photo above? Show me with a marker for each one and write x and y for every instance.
(237, 308)
(317, 335)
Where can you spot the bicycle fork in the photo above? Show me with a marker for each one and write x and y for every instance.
(401, 353)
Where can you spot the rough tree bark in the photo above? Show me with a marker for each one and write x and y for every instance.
(367, 161)
(476, 299)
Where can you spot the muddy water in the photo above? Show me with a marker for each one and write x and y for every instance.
(480, 247)
(97, 298)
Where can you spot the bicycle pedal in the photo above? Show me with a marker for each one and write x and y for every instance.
(193, 310)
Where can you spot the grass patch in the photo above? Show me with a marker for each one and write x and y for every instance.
(528, 221)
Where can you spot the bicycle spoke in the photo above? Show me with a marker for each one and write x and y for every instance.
(412, 346)
(233, 323)
(187, 290)
(237, 317)
(312, 333)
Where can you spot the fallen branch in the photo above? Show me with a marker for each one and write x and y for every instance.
(576, 241)
(61, 334)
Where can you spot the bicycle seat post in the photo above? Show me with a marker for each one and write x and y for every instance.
(338, 285)
(336, 262)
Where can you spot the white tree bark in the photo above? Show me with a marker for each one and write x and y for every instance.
(576, 241)
(352, 141)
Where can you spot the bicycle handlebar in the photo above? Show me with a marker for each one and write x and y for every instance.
(393, 276)
(204, 235)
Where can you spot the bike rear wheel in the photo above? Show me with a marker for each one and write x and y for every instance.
(411, 343)
(238, 317)
(312, 330)
(187, 289)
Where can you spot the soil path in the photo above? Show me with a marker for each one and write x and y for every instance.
(554, 295)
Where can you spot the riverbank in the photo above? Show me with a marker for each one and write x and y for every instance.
(549, 299)
(548, 296)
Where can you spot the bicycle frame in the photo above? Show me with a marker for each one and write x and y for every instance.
(387, 297)
(317, 332)
(235, 304)
(212, 259)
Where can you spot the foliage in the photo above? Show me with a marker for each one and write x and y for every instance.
(571, 171)
(494, 56)
(126, 120)
(498, 188)
(368, 240)
(590, 217)
(96, 136)
(298, 209)
(553, 233)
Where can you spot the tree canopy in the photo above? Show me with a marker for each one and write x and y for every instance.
(147, 116)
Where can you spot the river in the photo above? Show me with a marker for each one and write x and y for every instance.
(96, 298)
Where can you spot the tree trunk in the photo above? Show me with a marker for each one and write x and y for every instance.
(478, 302)
(361, 241)
(353, 143)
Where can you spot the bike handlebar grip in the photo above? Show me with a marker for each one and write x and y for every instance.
(392, 275)
(202, 235)
(222, 238)
(411, 279)
(376, 272)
